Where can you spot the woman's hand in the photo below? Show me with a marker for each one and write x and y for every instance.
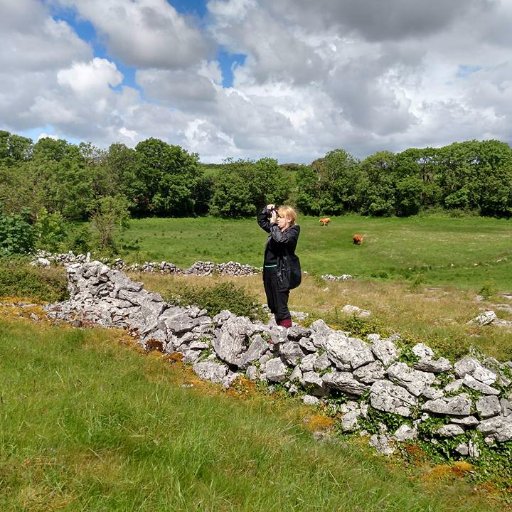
(273, 217)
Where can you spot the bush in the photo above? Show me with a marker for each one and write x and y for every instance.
(16, 235)
(19, 279)
(216, 298)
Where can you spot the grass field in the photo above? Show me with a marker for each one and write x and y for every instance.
(88, 423)
(466, 252)
(419, 276)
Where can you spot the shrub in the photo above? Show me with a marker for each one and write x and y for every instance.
(16, 235)
(216, 298)
(19, 279)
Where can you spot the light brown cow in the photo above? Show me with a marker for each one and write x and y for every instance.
(325, 221)
(357, 239)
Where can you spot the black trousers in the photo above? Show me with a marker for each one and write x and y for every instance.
(277, 301)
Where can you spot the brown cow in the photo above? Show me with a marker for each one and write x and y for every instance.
(357, 239)
(325, 221)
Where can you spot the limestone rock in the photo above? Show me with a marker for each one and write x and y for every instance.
(343, 381)
(476, 385)
(459, 405)
(275, 370)
(488, 406)
(210, 370)
(386, 396)
(343, 350)
(450, 430)
(414, 381)
(382, 443)
(370, 373)
(498, 428)
(385, 351)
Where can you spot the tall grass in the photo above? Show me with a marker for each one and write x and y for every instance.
(87, 423)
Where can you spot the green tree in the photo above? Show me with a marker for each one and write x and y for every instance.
(165, 179)
(329, 187)
(376, 184)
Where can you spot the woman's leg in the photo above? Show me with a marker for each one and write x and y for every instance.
(282, 313)
(270, 290)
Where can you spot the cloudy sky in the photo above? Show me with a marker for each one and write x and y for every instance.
(289, 79)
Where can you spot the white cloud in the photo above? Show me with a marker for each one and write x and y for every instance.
(90, 78)
(144, 33)
(363, 76)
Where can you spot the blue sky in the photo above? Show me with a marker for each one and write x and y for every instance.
(287, 79)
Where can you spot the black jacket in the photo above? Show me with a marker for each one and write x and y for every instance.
(280, 250)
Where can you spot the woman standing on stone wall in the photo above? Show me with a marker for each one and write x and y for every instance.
(281, 266)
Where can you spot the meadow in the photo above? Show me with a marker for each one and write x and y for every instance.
(424, 277)
(467, 252)
(90, 423)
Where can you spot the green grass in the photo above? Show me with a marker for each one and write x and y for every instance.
(466, 252)
(88, 423)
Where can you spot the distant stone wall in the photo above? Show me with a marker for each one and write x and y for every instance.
(469, 402)
(199, 268)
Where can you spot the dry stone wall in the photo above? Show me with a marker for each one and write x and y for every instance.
(468, 402)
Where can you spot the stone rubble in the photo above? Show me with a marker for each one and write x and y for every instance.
(318, 363)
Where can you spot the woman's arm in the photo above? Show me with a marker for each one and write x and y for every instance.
(264, 218)
(289, 237)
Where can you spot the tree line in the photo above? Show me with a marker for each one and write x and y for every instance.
(76, 181)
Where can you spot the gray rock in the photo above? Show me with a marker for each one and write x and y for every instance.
(320, 327)
(467, 421)
(191, 356)
(382, 443)
(296, 332)
(485, 318)
(349, 421)
(488, 406)
(308, 362)
(386, 396)
(385, 351)
(454, 386)
(431, 393)
(471, 366)
(232, 340)
(405, 433)
(498, 428)
(462, 449)
(321, 363)
(450, 430)
(275, 370)
(433, 365)
(307, 345)
(313, 383)
(343, 350)
(296, 375)
(310, 400)
(476, 385)
(343, 381)
(370, 373)
(229, 379)
(414, 381)
(355, 311)
(506, 406)
(459, 405)
(257, 348)
(291, 352)
(422, 351)
(252, 373)
(210, 370)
